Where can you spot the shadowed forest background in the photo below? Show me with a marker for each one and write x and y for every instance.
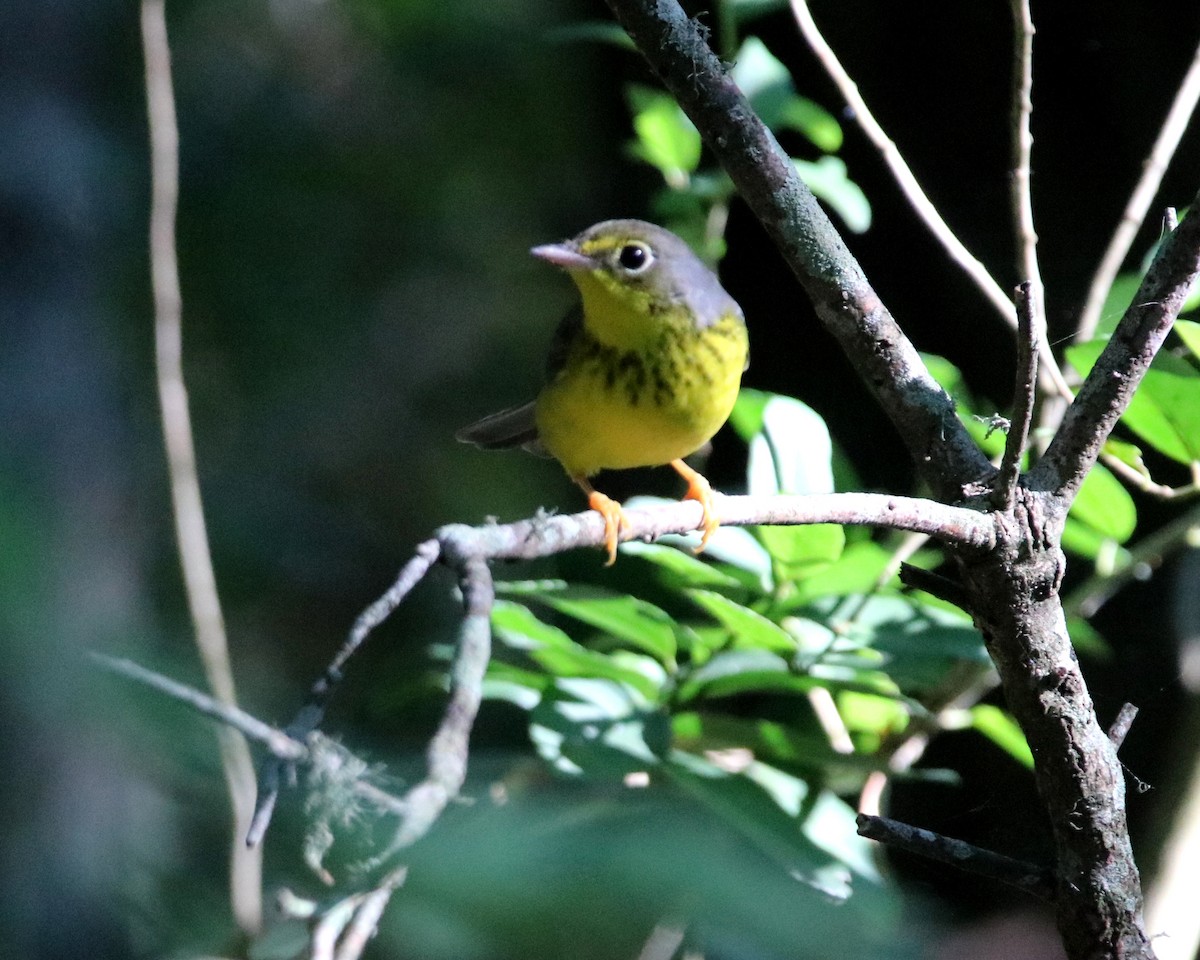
(360, 183)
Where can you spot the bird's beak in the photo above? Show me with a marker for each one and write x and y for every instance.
(563, 255)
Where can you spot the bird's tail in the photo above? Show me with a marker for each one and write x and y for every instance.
(514, 427)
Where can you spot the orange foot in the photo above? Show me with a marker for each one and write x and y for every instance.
(614, 517)
(699, 489)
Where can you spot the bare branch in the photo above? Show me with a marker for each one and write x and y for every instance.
(912, 191)
(958, 853)
(1120, 726)
(1022, 153)
(1108, 388)
(195, 559)
(1178, 118)
(768, 181)
(1143, 482)
(1023, 396)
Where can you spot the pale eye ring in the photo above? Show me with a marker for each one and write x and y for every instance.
(635, 258)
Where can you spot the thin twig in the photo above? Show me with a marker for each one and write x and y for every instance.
(767, 180)
(1178, 118)
(1022, 167)
(365, 921)
(1144, 483)
(1004, 493)
(275, 740)
(958, 853)
(1120, 726)
(1122, 364)
(911, 189)
(194, 556)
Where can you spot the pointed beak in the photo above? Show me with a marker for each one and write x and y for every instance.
(563, 255)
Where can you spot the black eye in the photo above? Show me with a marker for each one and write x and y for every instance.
(634, 257)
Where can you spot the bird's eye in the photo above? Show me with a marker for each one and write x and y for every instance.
(635, 258)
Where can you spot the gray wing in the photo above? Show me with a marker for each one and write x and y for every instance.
(514, 427)
(564, 335)
(517, 426)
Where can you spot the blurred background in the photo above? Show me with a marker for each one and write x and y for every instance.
(360, 183)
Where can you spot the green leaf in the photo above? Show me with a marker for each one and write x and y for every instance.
(814, 121)
(813, 837)
(592, 31)
(735, 672)
(1002, 730)
(1165, 410)
(593, 727)
(1189, 333)
(1087, 639)
(679, 570)
(1120, 296)
(749, 629)
(828, 179)
(747, 415)
(791, 452)
(768, 86)
(666, 138)
(1086, 541)
(857, 570)
(560, 656)
(800, 550)
(1105, 505)
(624, 618)
(871, 713)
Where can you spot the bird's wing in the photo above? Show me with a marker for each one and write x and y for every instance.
(514, 427)
(564, 335)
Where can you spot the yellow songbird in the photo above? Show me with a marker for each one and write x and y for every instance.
(643, 373)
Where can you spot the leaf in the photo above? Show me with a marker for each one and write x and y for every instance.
(1086, 541)
(560, 656)
(798, 550)
(1002, 730)
(735, 672)
(749, 629)
(813, 837)
(1087, 639)
(593, 727)
(791, 452)
(828, 179)
(679, 570)
(1105, 505)
(857, 570)
(1189, 332)
(768, 86)
(1165, 410)
(666, 138)
(622, 617)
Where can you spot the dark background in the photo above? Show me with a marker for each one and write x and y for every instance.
(360, 183)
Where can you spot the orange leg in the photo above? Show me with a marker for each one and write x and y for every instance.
(699, 489)
(610, 510)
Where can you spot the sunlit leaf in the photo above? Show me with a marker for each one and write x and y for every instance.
(1189, 333)
(749, 629)
(768, 86)
(791, 452)
(1165, 410)
(622, 617)
(828, 179)
(1105, 505)
(1002, 730)
(666, 138)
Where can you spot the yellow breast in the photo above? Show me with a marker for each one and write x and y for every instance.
(657, 401)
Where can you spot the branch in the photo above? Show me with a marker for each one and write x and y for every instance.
(468, 550)
(767, 180)
(1139, 202)
(1108, 388)
(958, 853)
(199, 581)
(912, 191)
(1022, 152)
(1023, 396)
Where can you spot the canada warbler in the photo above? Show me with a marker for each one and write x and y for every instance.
(641, 374)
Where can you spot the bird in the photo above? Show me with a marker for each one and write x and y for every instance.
(641, 373)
